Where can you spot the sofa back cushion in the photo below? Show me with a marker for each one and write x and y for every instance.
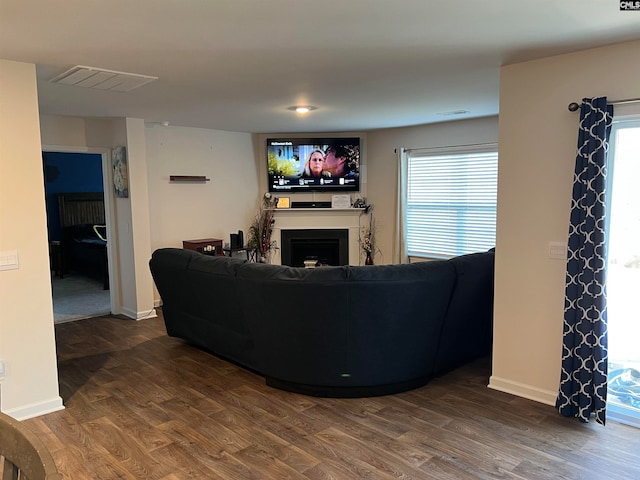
(347, 326)
(397, 313)
(200, 301)
(468, 326)
(298, 319)
(212, 281)
(169, 270)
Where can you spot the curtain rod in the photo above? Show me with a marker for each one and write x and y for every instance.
(449, 147)
(573, 106)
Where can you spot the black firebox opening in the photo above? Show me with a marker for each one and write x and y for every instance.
(326, 246)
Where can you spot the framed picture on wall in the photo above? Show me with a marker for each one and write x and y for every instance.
(120, 172)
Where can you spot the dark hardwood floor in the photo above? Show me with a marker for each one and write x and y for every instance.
(141, 405)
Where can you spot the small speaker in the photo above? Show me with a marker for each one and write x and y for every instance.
(234, 240)
(240, 239)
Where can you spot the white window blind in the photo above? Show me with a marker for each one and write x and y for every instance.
(451, 201)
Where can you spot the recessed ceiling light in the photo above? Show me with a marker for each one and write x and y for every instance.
(302, 108)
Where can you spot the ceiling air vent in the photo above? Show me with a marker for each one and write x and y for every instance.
(101, 79)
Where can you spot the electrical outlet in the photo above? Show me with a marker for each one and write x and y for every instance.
(2, 371)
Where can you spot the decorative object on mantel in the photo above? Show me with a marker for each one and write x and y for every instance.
(260, 230)
(359, 203)
(367, 238)
(341, 201)
(188, 178)
(283, 202)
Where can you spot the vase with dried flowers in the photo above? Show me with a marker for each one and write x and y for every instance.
(259, 237)
(367, 238)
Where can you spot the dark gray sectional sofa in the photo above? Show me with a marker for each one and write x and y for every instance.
(332, 331)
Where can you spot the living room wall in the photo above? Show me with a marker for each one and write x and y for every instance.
(382, 164)
(538, 137)
(192, 210)
(27, 343)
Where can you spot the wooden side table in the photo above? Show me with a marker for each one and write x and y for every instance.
(207, 246)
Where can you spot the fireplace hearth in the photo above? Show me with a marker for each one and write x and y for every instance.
(326, 246)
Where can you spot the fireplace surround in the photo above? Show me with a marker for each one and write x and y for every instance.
(319, 219)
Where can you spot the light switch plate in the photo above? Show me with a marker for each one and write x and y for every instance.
(558, 250)
(9, 260)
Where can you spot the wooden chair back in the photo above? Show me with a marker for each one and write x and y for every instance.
(22, 455)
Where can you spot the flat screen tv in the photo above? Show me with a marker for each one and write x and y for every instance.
(313, 164)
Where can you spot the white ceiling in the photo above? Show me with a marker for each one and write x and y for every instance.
(238, 64)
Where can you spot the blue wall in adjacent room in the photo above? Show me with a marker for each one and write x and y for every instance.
(65, 173)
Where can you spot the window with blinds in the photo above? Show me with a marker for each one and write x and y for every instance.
(451, 201)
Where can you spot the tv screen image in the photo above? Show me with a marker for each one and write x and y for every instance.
(313, 164)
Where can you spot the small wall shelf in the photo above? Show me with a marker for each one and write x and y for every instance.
(188, 178)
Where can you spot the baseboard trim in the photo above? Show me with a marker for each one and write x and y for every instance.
(127, 312)
(35, 409)
(523, 390)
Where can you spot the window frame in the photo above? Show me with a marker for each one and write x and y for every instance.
(458, 235)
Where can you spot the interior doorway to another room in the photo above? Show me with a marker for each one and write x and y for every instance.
(79, 257)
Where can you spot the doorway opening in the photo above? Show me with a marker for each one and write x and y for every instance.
(76, 205)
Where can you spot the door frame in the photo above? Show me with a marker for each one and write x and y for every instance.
(109, 209)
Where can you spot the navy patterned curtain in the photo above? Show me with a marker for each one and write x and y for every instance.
(583, 382)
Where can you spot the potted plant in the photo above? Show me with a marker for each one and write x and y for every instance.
(259, 237)
(367, 238)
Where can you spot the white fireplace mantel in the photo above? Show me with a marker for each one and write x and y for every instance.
(319, 219)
